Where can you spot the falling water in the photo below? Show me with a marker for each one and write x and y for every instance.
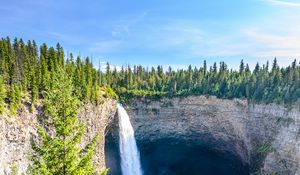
(130, 157)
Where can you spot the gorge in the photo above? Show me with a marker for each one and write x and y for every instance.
(179, 133)
(187, 133)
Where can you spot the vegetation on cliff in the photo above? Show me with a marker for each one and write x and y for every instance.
(58, 150)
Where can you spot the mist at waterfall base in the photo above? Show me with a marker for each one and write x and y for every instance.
(168, 157)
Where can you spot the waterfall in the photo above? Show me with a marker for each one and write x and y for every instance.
(130, 156)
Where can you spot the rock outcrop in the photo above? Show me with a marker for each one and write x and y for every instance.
(16, 132)
(265, 136)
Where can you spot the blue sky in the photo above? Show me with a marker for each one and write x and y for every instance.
(165, 32)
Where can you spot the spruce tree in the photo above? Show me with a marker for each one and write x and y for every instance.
(44, 74)
(58, 152)
(34, 91)
(5, 65)
(2, 95)
(108, 74)
(15, 98)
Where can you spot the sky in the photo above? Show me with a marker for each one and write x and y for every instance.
(160, 32)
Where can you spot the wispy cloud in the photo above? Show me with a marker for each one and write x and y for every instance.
(121, 28)
(120, 31)
(182, 39)
(260, 40)
(120, 35)
(105, 46)
(284, 3)
(275, 45)
(187, 39)
(58, 36)
(179, 35)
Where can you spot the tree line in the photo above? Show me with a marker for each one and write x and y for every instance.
(265, 84)
(26, 71)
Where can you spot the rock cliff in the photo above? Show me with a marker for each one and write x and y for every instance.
(262, 136)
(16, 132)
(265, 136)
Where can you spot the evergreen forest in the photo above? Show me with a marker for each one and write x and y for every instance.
(27, 70)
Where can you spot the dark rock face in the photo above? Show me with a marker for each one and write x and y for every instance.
(261, 136)
(112, 153)
(176, 157)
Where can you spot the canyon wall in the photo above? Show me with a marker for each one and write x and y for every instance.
(17, 131)
(263, 136)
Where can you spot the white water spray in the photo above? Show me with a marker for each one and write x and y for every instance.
(130, 156)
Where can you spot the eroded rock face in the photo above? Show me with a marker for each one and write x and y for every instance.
(16, 132)
(264, 136)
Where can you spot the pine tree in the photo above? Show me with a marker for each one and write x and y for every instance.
(88, 78)
(78, 80)
(256, 69)
(34, 91)
(15, 98)
(242, 67)
(2, 95)
(204, 67)
(108, 74)
(58, 152)
(5, 67)
(44, 74)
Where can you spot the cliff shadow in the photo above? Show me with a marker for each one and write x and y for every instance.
(112, 153)
(176, 157)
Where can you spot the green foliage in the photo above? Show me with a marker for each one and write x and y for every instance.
(278, 85)
(109, 92)
(15, 99)
(58, 152)
(264, 148)
(14, 169)
(2, 96)
(32, 69)
(126, 96)
(284, 121)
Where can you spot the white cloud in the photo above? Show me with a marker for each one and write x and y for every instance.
(284, 3)
(279, 45)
